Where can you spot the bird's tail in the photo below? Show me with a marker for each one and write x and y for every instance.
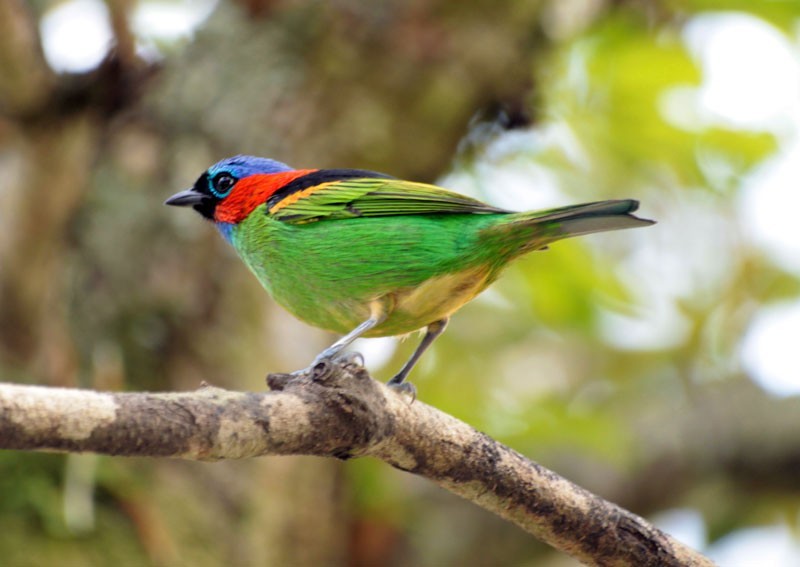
(536, 229)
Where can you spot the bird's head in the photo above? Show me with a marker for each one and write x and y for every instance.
(231, 189)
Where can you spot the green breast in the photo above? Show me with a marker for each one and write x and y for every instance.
(327, 273)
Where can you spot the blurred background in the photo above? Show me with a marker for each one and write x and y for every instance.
(657, 367)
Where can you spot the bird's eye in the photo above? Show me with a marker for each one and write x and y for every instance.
(222, 184)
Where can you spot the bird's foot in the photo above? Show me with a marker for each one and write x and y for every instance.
(351, 359)
(404, 388)
(323, 364)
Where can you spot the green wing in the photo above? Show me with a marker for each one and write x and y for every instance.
(372, 197)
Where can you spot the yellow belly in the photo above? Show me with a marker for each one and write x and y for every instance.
(434, 299)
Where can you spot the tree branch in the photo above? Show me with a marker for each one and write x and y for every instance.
(339, 411)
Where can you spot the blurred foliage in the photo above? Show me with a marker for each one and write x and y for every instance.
(782, 15)
(613, 359)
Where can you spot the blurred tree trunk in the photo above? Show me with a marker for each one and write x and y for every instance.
(54, 167)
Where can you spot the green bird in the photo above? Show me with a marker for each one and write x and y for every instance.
(365, 254)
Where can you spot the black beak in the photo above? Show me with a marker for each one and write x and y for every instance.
(187, 198)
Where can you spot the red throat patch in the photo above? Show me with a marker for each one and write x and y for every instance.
(251, 192)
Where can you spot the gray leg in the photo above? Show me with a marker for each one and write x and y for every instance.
(339, 345)
(434, 330)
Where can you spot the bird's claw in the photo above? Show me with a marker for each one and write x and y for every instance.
(321, 367)
(316, 368)
(352, 359)
(405, 389)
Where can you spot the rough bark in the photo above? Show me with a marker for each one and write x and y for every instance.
(337, 410)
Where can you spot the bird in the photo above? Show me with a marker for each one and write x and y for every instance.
(365, 254)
